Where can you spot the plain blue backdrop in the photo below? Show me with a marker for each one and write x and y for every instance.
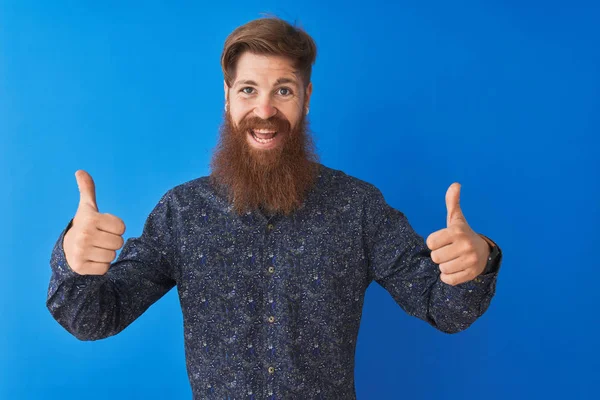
(501, 96)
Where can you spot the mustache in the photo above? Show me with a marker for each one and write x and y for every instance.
(274, 123)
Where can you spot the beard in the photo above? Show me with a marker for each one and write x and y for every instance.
(275, 180)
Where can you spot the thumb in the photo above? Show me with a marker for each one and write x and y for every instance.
(87, 189)
(453, 204)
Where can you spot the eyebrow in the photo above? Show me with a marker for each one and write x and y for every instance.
(277, 82)
(286, 80)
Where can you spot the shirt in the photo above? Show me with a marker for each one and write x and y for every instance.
(271, 304)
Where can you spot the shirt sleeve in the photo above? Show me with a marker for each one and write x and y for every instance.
(400, 261)
(93, 307)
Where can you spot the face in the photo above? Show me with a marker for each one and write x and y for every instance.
(265, 158)
(267, 99)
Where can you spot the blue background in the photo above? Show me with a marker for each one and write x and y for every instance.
(501, 96)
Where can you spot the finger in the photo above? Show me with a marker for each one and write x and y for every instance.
(87, 190)
(95, 268)
(439, 239)
(111, 224)
(453, 266)
(108, 241)
(96, 254)
(453, 204)
(457, 278)
(446, 254)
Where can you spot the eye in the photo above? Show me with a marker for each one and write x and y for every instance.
(247, 90)
(284, 91)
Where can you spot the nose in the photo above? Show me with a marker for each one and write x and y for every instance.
(264, 109)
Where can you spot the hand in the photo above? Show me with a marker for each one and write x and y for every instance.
(91, 243)
(460, 252)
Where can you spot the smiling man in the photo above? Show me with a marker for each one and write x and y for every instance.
(266, 158)
(273, 252)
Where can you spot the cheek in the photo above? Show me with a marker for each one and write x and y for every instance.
(236, 115)
(292, 115)
(295, 119)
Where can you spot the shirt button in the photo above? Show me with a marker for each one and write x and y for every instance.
(271, 269)
(271, 370)
(270, 227)
(271, 319)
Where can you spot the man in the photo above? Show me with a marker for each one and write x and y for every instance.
(272, 253)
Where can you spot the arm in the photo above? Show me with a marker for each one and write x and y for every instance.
(400, 261)
(93, 307)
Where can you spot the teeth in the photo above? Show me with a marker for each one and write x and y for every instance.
(263, 140)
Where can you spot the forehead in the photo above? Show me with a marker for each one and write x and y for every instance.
(264, 68)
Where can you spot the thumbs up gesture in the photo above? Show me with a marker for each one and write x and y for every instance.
(91, 243)
(460, 252)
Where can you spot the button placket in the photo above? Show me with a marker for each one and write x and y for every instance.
(271, 264)
(270, 312)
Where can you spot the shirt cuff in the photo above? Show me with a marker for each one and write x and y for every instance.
(493, 263)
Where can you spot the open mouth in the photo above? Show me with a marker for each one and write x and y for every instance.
(263, 136)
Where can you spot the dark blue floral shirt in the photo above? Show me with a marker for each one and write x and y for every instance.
(271, 304)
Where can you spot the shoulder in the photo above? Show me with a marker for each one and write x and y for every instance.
(336, 181)
(195, 191)
(193, 187)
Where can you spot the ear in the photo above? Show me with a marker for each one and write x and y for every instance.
(226, 90)
(307, 94)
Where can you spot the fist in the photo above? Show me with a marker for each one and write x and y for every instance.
(92, 242)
